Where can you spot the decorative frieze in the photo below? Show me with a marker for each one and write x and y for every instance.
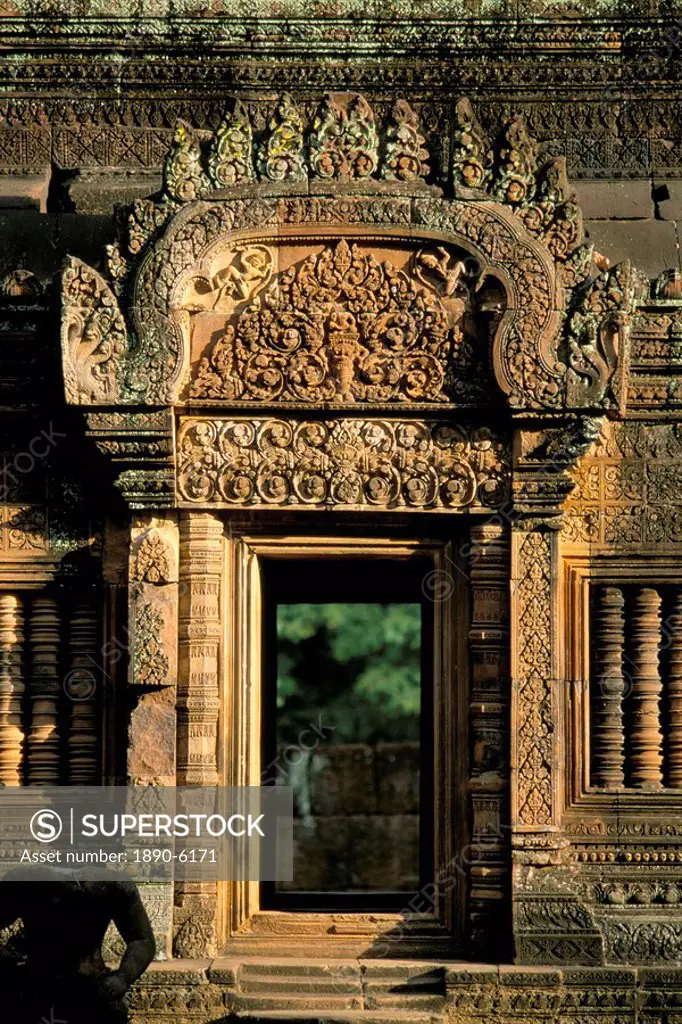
(344, 463)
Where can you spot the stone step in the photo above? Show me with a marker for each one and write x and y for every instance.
(348, 1017)
(293, 1000)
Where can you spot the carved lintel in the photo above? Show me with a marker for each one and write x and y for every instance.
(380, 464)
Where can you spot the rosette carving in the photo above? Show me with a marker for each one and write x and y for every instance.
(350, 463)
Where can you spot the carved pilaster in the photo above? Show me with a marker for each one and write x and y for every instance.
(11, 689)
(675, 695)
(201, 561)
(81, 688)
(532, 725)
(489, 640)
(45, 690)
(198, 702)
(646, 740)
(608, 762)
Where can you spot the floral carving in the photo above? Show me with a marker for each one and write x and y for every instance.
(471, 155)
(152, 561)
(280, 156)
(405, 158)
(391, 464)
(534, 670)
(183, 176)
(343, 140)
(338, 327)
(149, 663)
(26, 528)
(515, 181)
(94, 336)
(555, 216)
(230, 160)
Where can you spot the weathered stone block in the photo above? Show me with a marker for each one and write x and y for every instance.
(25, 191)
(100, 191)
(615, 200)
(151, 740)
(650, 244)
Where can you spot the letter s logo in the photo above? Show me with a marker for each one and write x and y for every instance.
(46, 826)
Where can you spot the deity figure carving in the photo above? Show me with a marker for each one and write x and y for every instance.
(249, 270)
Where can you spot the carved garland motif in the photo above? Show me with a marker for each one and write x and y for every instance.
(395, 464)
(152, 562)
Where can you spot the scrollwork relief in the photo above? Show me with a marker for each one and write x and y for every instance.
(94, 337)
(388, 464)
(339, 327)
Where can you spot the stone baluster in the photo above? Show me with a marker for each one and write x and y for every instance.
(646, 752)
(675, 695)
(44, 690)
(81, 687)
(608, 740)
(11, 689)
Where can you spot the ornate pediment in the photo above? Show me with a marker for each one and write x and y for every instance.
(322, 260)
